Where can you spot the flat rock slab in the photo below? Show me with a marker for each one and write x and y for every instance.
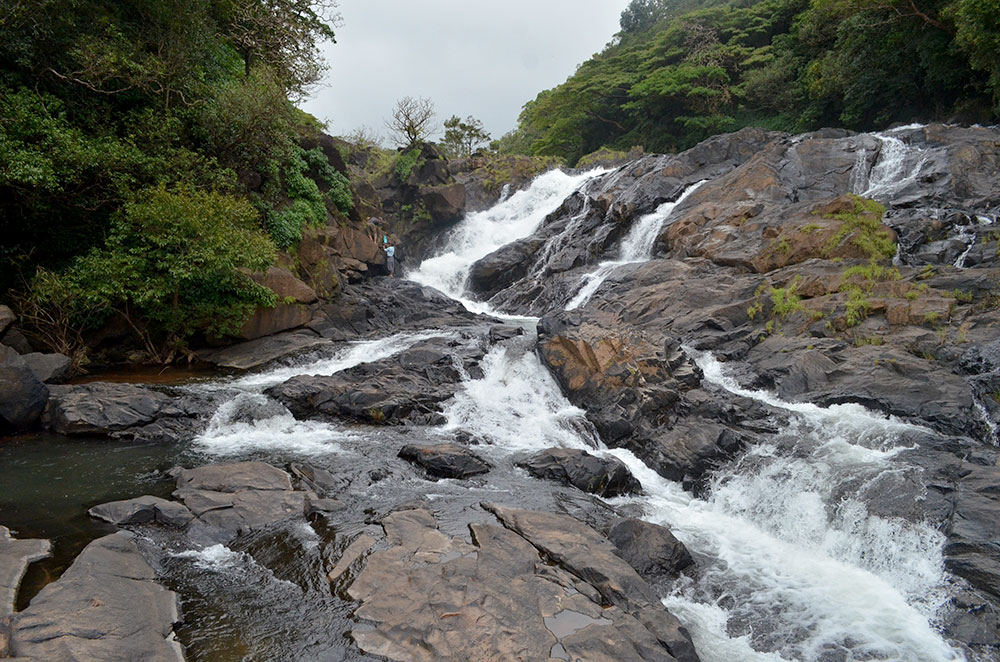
(143, 510)
(22, 394)
(15, 555)
(105, 407)
(587, 554)
(231, 499)
(106, 606)
(261, 351)
(433, 597)
(444, 460)
(603, 476)
(233, 477)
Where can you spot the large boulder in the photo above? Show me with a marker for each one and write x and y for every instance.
(22, 394)
(106, 606)
(604, 476)
(445, 204)
(49, 368)
(409, 387)
(651, 549)
(7, 318)
(444, 460)
(101, 408)
(623, 377)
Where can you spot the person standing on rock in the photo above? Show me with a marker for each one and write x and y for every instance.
(390, 256)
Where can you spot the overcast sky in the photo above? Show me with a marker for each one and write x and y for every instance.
(484, 58)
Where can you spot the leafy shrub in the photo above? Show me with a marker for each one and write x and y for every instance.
(171, 266)
(406, 162)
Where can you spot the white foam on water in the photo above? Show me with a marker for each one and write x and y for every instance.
(481, 233)
(897, 166)
(637, 246)
(356, 353)
(217, 558)
(230, 432)
(812, 571)
(517, 406)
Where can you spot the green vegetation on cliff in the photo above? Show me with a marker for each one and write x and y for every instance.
(680, 71)
(150, 152)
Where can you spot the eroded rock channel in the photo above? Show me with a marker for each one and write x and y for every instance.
(738, 403)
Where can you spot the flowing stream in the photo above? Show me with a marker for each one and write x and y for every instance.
(792, 565)
(637, 246)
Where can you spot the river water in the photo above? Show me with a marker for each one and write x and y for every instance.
(791, 566)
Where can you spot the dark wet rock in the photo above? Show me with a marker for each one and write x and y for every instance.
(228, 500)
(689, 449)
(651, 549)
(49, 368)
(101, 408)
(17, 341)
(435, 597)
(973, 547)
(881, 377)
(318, 480)
(444, 460)
(389, 305)
(409, 387)
(22, 394)
(143, 510)
(7, 318)
(603, 476)
(106, 606)
(261, 351)
(15, 555)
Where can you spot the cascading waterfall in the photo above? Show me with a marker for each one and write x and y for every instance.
(481, 233)
(792, 567)
(251, 421)
(822, 577)
(637, 246)
(897, 166)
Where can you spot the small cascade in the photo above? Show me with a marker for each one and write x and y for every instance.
(481, 233)
(250, 421)
(637, 246)
(897, 166)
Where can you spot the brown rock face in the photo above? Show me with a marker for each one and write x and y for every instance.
(434, 597)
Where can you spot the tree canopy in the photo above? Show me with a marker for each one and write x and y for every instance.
(679, 71)
(115, 111)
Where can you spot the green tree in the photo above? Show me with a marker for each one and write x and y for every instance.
(463, 137)
(173, 264)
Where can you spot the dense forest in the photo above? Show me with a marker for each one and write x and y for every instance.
(150, 151)
(681, 70)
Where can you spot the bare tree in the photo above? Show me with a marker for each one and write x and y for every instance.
(412, 121)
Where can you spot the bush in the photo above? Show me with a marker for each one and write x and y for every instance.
(171, 266)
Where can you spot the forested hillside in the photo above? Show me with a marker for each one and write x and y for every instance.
(149, 150)
(681, 70)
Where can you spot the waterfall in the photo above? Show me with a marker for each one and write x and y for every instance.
(481, 233)
(897, 166)
(782, 547)
(637, 246)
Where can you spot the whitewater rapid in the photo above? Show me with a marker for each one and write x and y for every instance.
(789, 567)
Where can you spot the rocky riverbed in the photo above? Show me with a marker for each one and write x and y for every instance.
(738, 403)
